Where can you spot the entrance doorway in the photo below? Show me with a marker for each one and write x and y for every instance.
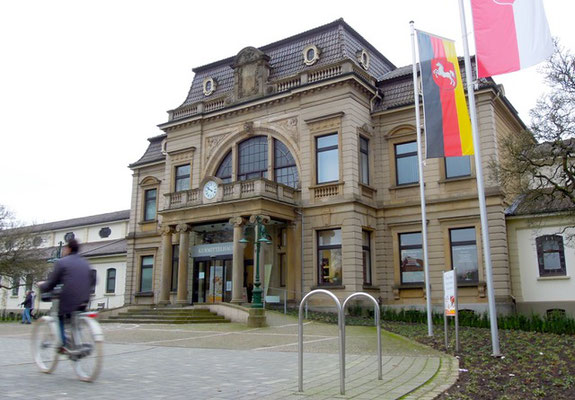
(212, 280)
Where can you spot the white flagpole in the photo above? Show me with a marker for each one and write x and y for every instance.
(480, 188)
(421, 187)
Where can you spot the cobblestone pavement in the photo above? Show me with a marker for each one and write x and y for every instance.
(231, 361)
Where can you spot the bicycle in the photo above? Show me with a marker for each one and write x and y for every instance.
(84, 342)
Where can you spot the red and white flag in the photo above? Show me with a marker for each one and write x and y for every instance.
(509, 35)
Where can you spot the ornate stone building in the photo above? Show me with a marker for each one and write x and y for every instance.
(317, 133)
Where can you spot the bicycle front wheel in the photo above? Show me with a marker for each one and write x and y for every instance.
(89, 351)
(45, 343)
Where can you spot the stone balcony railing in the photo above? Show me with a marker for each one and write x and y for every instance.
(239, 190)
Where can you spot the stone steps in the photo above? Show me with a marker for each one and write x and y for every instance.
(166, 316)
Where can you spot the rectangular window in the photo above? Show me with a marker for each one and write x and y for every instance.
(146, 273)
(175, 266)
(411, 258)
(94, 279)
(406, 163)
(551, 255)
(15, 285)
(111, 280)
(364, 160)
(366, 249)
(464, 254)
(327, 158)
(456, 167)
(182, 177)
(150, 197)
(329, 257)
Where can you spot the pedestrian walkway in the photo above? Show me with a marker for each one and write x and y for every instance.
(231, 361)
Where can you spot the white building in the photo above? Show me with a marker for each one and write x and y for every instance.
(102, 241)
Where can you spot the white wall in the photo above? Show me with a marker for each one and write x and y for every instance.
(111, 300)
(536, 288)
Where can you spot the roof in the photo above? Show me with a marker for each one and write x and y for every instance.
(92, 249)
(397, 88)
(153, 152)
(91, 220)
(538, 202)
(337, 42)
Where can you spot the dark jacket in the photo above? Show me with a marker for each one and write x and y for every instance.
(73, 272)
(28, 301)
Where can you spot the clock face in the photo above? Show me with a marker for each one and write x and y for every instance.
(210, 190)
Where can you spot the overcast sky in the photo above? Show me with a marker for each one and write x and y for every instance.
(83, 84)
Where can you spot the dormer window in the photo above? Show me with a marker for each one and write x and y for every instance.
(310, 54)
(363, 59)
(209, 86)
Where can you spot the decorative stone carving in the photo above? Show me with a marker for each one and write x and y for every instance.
(249, 127)
(251, 72)
(265, 219)
(166, 230)
(183, 228)
(212, 143)
(290, 127)
(183, 156)
(237, 221)
(329, 122)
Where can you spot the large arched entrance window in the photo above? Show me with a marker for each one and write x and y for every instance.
(285, 169)
(225, 169)
(252, 156)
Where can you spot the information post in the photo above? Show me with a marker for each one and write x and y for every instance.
(450, 308)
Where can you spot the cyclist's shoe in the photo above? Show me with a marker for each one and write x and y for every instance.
(63, 350)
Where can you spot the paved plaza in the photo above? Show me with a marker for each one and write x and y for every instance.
(231, 361)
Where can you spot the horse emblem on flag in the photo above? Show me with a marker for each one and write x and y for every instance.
(444, 74)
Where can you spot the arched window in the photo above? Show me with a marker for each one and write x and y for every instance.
(253, 158)
(111, 280)
(225, 169)
(285, 169)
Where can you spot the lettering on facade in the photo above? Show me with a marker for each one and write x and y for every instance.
(212, 250)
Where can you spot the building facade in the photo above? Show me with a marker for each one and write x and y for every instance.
(316, 134)
(102, 241)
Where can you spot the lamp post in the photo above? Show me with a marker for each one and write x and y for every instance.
(261, 235)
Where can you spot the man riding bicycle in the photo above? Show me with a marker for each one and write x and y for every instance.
(73, 272)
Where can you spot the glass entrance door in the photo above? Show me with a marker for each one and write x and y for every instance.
(212, 281)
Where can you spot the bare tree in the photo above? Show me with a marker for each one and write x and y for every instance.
(537, 165)
(20, 256)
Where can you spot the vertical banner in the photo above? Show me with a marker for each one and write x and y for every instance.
(447, 123)
(449, 293)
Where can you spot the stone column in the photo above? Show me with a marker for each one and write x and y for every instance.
(293, 255)
(184, 230)
(238, 261)
(166, 265)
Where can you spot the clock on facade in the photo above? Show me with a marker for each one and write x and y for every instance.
(210, 189)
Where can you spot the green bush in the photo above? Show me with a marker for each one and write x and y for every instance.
(555, 322)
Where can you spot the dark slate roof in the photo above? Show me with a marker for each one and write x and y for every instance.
(337, 41)
(153, 152)
(91, 220)
(93, 249)
(539, 203)
(107, 247)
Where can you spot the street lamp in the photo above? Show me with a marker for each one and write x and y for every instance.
(261, 236)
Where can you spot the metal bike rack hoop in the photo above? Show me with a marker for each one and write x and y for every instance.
(377, 324)
(341, 338)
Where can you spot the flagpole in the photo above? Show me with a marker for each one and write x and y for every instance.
(421, 186)
(480, 188)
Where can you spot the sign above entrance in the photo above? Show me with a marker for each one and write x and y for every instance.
(213, 250)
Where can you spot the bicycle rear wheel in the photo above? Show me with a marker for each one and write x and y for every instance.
(89, 351)
(45, 343)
